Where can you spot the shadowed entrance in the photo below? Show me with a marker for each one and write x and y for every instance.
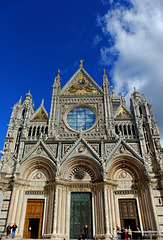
(33, 218)
(80, 214)
(128, 213)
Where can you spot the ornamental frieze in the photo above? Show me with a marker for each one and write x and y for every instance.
(36, 192)
(81, 100)
(89, 135)
(125, 192)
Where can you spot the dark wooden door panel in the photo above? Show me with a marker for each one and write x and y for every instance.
(128, 212)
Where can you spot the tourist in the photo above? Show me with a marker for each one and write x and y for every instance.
(129, 233)
(14, 227)
(138, 233)
(86, 231)
(126, 234)
(8, 230)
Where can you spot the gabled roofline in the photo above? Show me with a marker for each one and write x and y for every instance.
(71, 150)
(36, 112)
(46, 149)
(71, 80)
(122, 106)
(129, 148)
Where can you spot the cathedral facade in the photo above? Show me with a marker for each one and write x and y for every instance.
(90, 162)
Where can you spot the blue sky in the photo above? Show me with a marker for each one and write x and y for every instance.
(39, 37)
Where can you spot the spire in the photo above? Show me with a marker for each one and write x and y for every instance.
(123, 99)
(136, 93)
(42, 103)
(58, 73)
(28, 97)
(20, 100)
(57, 83)
(105, 77)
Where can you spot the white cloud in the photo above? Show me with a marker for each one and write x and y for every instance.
(138, 40)
(96, 40)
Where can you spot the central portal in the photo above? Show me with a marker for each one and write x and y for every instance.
(80, 214)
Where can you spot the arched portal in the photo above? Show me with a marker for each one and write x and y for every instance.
(83, 174)
(131, 199)
(29, 207)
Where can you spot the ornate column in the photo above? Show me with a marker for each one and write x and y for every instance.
(154, 217)
(13, 205)
(55, 211)
(106, 211)
(18, 219)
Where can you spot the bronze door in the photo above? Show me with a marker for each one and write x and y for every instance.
(33, 218)
(128, 213)
(80, 214)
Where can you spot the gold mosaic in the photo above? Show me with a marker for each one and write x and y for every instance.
(122, 113)
(40, 115)
(81, 86)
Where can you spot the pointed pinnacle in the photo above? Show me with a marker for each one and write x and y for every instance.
(20, 100)
(42, 103)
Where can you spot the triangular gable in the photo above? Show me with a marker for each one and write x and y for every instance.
(40, 114)
(122, 148)
(40, 149)
(123, 113)
(81, 83)
(81, 147)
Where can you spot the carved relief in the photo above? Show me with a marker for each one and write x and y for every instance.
(95, 147)
(53, 148)
(109, 147)
(66, 148)
(122, 149)
(136, 147)
(81, 173)
(124, 180)
(28, 148)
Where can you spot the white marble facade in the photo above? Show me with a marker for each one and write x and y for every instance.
(90, 143)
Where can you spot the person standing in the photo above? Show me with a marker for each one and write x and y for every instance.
(129, 233)
(118, 232)
(14, 227)
(126, 234)
(123, 233)
(9, 230)
(86, 231)
(138, 233)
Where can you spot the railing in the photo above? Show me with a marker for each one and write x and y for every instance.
(143, 234)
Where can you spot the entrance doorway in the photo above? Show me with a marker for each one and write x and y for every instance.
(33, 218)
(33, 227)
(80, 214)
(128, 213)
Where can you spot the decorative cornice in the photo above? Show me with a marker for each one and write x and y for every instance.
(35, 192)
(81, 186)
(125, 192)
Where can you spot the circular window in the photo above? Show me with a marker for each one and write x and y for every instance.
(81, 118)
